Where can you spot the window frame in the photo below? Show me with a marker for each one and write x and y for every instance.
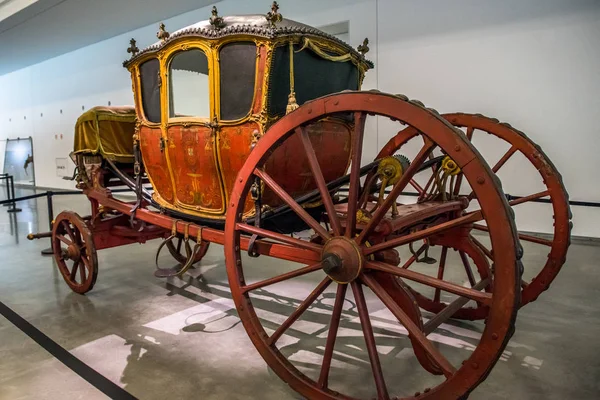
(173, 52)
(218, 80)
(140, 90)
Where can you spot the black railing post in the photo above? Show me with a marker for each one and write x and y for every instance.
(14, 208)
(49, 197)
(4, 177)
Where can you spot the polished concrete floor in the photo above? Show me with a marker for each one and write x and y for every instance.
(182, 339)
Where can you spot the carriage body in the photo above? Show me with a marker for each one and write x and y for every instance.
(251, 128)
(206, 94)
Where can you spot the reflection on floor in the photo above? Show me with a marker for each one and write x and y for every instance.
(182, 338)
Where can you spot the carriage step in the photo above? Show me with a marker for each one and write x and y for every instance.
(167, 272)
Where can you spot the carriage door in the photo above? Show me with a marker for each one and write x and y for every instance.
(239, 106)
(190, 135)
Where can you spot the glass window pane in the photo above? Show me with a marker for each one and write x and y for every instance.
(150, 80)
(238, 72)
(189, 85)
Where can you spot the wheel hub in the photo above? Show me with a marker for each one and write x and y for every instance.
(72, 253)
(342, 259)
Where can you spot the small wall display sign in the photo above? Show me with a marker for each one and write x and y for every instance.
(61, 167)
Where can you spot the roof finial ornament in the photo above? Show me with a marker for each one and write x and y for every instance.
(133, 49)
(216, 21)
(274, 16)
(364, 47)
(162, 34)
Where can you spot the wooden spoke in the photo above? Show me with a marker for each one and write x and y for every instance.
(535, 239)
(332, 335)
(417, 187)
(320, 180)
(422, 234)
(531, 197)
(460, 176)
(68, 229)
(289, 275)
(299, 311)
(467, 265)
(458, 184)
(357, 145)
(82, 270)
(440, 275)
(283, 195)
(365, 322)
(522, 236)
(74, 270)
(480, 297)
(86, 262)
(429, 182)
(524, 284)
(470, 131)
(485, 250)
(278, 237)
(398, 188)
(413, 330)
(413, 258)
(504, 158)
(449, 311)
(64, 240)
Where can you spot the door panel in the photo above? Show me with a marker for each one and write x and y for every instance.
(155, 163)
(194, 168)
(235, 144)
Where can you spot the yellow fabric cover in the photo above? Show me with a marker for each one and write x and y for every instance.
(107, 131)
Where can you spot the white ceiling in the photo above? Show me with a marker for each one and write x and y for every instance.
(44, 29)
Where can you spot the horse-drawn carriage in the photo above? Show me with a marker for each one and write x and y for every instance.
(247, 130)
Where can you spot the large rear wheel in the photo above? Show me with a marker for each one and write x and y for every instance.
(350, 326)
(511, 151)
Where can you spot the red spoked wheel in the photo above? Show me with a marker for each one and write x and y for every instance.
(332, 350)
(512, 144)
(75, 252)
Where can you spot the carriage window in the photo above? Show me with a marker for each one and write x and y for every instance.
(189, 85)
(150, 82)
(238, 71)
(314, 77)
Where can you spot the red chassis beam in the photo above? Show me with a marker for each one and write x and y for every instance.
(281, 251)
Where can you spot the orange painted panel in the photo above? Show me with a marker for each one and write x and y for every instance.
(289, 166)
(192, 157)
(234, 147)
(155, 162)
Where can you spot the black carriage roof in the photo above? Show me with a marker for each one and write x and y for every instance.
(254, 25)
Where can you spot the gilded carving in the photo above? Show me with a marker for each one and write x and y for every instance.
(162, 34)
(133, 49)
(225, 140)
(180, 165)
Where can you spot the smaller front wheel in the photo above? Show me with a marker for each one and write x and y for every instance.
(74, 252)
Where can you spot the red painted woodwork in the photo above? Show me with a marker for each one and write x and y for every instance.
(191, 152)
(289, 167)
(235, 144)
(155, 162)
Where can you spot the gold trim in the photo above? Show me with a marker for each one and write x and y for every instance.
(211, 48)
(308, 43)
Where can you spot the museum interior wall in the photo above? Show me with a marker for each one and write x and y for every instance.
(533, 63)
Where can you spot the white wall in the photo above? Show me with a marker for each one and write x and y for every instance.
(94, 76)
(532, 63)
(535, 64)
